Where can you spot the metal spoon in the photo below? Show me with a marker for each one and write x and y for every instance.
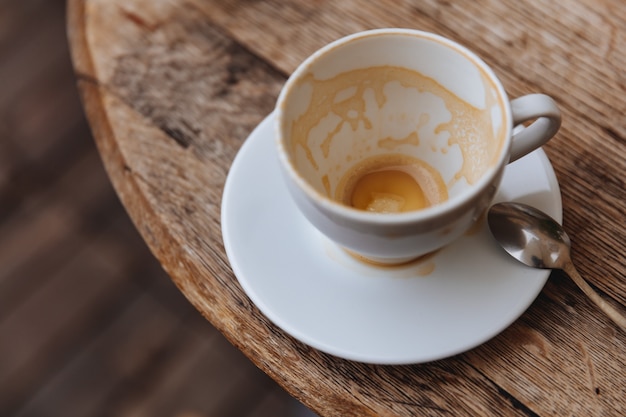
(535, 239)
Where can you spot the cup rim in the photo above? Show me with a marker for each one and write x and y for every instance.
(414, 216)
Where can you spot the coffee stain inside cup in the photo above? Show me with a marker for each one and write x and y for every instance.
(354, 105)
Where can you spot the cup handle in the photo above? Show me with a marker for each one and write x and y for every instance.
(547, 120)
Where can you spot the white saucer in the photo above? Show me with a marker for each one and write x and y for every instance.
(446, 304)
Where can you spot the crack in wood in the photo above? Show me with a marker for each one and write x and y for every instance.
(515, 402)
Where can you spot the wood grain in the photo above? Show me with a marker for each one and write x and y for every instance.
(172, 88)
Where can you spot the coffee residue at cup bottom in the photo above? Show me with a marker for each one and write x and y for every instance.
(391, 183)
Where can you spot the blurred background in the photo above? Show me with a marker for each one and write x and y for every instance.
(89, 323)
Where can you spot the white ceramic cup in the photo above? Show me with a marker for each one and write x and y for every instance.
(401, 92)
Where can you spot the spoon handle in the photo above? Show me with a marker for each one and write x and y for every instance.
(618, 318)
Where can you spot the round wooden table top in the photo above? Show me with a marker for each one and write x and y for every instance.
(172, 88)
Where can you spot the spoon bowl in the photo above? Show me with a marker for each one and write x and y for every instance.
(530, 235)
(537, 240)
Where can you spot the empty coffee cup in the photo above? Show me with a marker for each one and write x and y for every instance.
(394, 141)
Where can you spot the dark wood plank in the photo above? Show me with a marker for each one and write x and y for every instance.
(58, 317)
(139, 335)
(50, 227)
(89, 322)
(40, 113)
(193, 357)
(32, 42)
(275, 404)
